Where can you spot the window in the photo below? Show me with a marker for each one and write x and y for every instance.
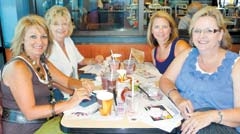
(101, 17)
(109, 20)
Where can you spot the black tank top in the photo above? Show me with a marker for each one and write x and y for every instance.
(41, 91)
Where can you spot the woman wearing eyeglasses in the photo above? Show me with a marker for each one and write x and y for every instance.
(204, 82)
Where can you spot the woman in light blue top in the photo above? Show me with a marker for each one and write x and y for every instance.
(204, 82)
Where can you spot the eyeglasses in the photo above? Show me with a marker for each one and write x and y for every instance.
(205, 31)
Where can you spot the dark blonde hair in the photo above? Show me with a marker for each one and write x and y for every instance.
(24, 23)
(226, 42)
(174, 30)
(57, 11)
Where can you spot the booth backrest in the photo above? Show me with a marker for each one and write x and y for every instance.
(91, 50)
(105, 50)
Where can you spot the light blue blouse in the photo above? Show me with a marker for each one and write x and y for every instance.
(207, 90)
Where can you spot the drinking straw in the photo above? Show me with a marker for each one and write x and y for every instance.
(112, 56)
(130, 56)
(132, 88)
(113, 89)
(115, 96)
(114, 62)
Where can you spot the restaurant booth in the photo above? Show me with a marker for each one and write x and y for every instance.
(117, 25)
(105, 26)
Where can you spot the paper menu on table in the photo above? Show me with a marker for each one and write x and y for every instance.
(144, 73)
(83, 111)
(159, 112)
(94, 69)
(169, 119)
(147, 74)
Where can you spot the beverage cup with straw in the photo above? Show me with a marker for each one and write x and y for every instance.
(114, 64)
(112, 82)
(129, 64)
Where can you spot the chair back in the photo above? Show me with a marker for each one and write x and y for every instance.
(180, 10)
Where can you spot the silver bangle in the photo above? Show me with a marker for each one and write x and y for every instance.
(220, 116)
(53, 112)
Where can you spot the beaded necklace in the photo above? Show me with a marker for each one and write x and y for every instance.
(50, 87)
(37, 68)
(40, 71)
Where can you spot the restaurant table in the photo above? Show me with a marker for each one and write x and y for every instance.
(71, 124)
(117, 124)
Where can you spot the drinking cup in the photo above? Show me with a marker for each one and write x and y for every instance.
(116, 57)
(132, 105)
(114, 65)
(112, 81)
(109, 79)
(105, 101)
(129, 66)
(104, 79)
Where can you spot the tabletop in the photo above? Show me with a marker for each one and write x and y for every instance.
(75, 122)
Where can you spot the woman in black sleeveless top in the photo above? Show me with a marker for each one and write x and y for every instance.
(28, 76)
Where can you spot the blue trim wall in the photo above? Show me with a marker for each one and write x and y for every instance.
(10, 12)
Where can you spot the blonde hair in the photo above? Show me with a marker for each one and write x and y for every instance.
(174, 30)
(226, 42)
(24, 23)
(59, 11)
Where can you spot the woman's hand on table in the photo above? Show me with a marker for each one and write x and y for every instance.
(88, 84)
(185, 106)
(80, 94)
(196, 121)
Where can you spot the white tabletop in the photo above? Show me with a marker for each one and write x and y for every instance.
(96, 122)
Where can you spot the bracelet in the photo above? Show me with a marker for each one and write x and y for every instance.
(220, 116)
(170, 91)
(53, 109)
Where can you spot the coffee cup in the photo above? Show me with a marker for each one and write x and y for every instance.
(105, 101)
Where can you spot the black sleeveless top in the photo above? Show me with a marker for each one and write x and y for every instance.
(41, 93)
(163, 65)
